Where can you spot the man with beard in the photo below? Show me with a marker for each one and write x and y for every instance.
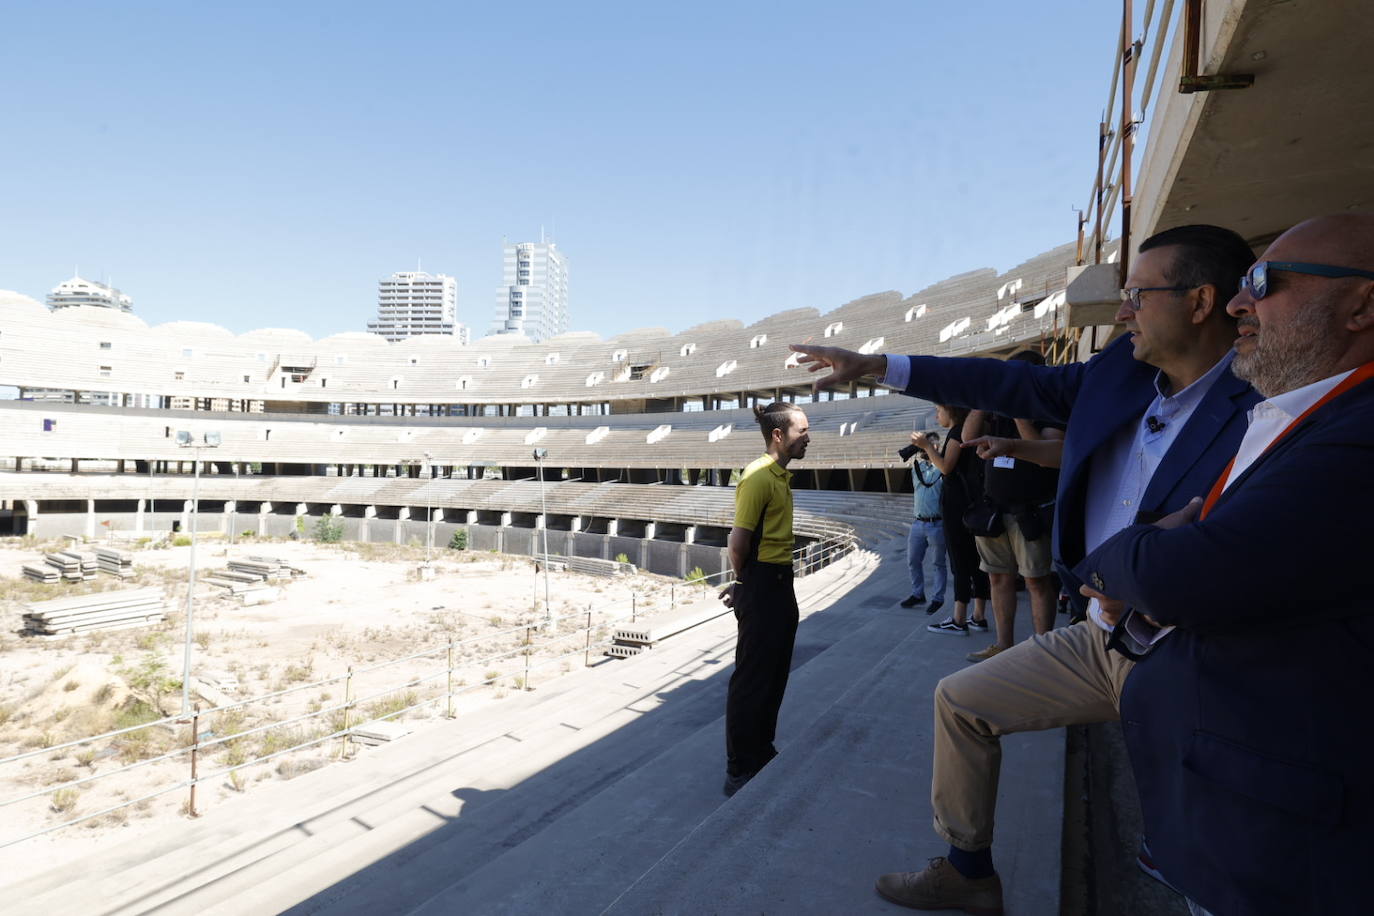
(1151, 421)
(1248, 719)
(765, 605)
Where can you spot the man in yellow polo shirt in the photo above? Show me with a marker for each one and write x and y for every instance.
(761, 596)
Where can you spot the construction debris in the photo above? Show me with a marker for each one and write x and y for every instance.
(101, 611)
(119, 563)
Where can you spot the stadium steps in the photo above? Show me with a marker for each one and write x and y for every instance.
(603, 790)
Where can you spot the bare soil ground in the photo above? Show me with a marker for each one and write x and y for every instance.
(360, 606)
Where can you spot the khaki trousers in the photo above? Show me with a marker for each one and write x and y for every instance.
(1065, 677)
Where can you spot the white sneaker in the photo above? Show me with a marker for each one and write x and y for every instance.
(949, 626)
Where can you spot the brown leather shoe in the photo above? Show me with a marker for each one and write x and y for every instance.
(942, 887)
(985, 654)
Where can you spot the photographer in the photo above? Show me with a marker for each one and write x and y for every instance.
(927, 529)
(963, 483)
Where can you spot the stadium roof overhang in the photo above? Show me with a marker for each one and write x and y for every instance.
(1298, 143)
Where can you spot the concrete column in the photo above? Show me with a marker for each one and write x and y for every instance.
(186, 517)
(689, 534)
(613, 527)
(230, 507)
(575, 524)
(138, 518)
(505, 519)
(336, 510)
(472, 517)
(76, 465)
(650, 530)
(31, 510)
(264, 510)
(369, 513)
(402, 516)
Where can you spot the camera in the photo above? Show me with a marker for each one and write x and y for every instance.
(906, 451)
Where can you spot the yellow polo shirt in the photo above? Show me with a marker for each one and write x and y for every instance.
(766, 483)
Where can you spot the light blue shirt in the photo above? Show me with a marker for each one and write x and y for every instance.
(1122, 469)
(927, 497)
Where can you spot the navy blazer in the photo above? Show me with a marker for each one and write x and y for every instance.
(1251, 726)
(1093, 400)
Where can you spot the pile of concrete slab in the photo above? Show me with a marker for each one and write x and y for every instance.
(80, 565)
(634, 638)
(139, 607)
(265, 569)
(73, 565)
(118, 563)
(593, 566)
(249, 578)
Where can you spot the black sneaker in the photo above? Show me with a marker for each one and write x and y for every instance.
(979, 624)
(934, 606)
(949, 626)
(734, 783)
(913, 600)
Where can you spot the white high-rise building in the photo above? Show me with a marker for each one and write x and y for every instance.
(533, 297)
(411, 303)
(78, 291)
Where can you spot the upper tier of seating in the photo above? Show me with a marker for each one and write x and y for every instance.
(100, 350)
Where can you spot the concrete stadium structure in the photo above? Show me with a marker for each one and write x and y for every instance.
(643, 431)
(602, 794)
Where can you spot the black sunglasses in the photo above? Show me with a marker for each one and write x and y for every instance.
(1256, 279)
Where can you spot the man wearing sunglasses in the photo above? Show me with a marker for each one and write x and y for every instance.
(1249, 722)
(1151, 421)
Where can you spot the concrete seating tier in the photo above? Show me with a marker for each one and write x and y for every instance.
(854, 432)
(819, 514)
(194, 360)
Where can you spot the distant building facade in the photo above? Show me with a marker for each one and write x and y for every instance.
(533, 297)
(79, 291)
(411, 303)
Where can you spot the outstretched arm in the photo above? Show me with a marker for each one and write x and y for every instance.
(844, 365)
(1044, 452)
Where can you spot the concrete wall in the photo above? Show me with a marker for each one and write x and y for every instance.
(666, 558)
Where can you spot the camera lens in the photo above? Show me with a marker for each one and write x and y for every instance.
(906, 452)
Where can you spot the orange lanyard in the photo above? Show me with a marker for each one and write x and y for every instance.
(1350, 381)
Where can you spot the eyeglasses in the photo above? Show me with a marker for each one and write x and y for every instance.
(1131, 295)
(1256, 280)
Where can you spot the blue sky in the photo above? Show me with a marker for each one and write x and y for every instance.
(263, 165)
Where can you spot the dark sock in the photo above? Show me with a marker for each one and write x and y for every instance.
(976, 864)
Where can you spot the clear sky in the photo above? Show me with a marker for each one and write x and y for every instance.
(263, 165)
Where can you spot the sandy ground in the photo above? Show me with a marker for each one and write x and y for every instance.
(360, 605)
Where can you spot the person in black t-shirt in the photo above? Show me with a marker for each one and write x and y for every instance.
(963, 485)
(1019, 498)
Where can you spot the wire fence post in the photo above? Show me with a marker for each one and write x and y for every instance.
(587, 652)
(528, 640)
(633, 603)
(195, 753)
(450, 677)
(348, 709)
(672, 597)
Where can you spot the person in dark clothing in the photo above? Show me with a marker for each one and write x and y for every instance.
(963, 482)
(1018, 500)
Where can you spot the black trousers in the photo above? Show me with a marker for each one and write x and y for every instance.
(766, 610)
(969, 581)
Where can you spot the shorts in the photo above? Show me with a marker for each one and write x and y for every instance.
(1010, 553)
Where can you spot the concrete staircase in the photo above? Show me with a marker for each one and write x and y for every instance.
(601, 793)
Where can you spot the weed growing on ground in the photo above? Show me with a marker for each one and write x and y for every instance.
(391, 705)
(64, 801)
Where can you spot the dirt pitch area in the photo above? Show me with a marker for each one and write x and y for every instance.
(358, 605)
